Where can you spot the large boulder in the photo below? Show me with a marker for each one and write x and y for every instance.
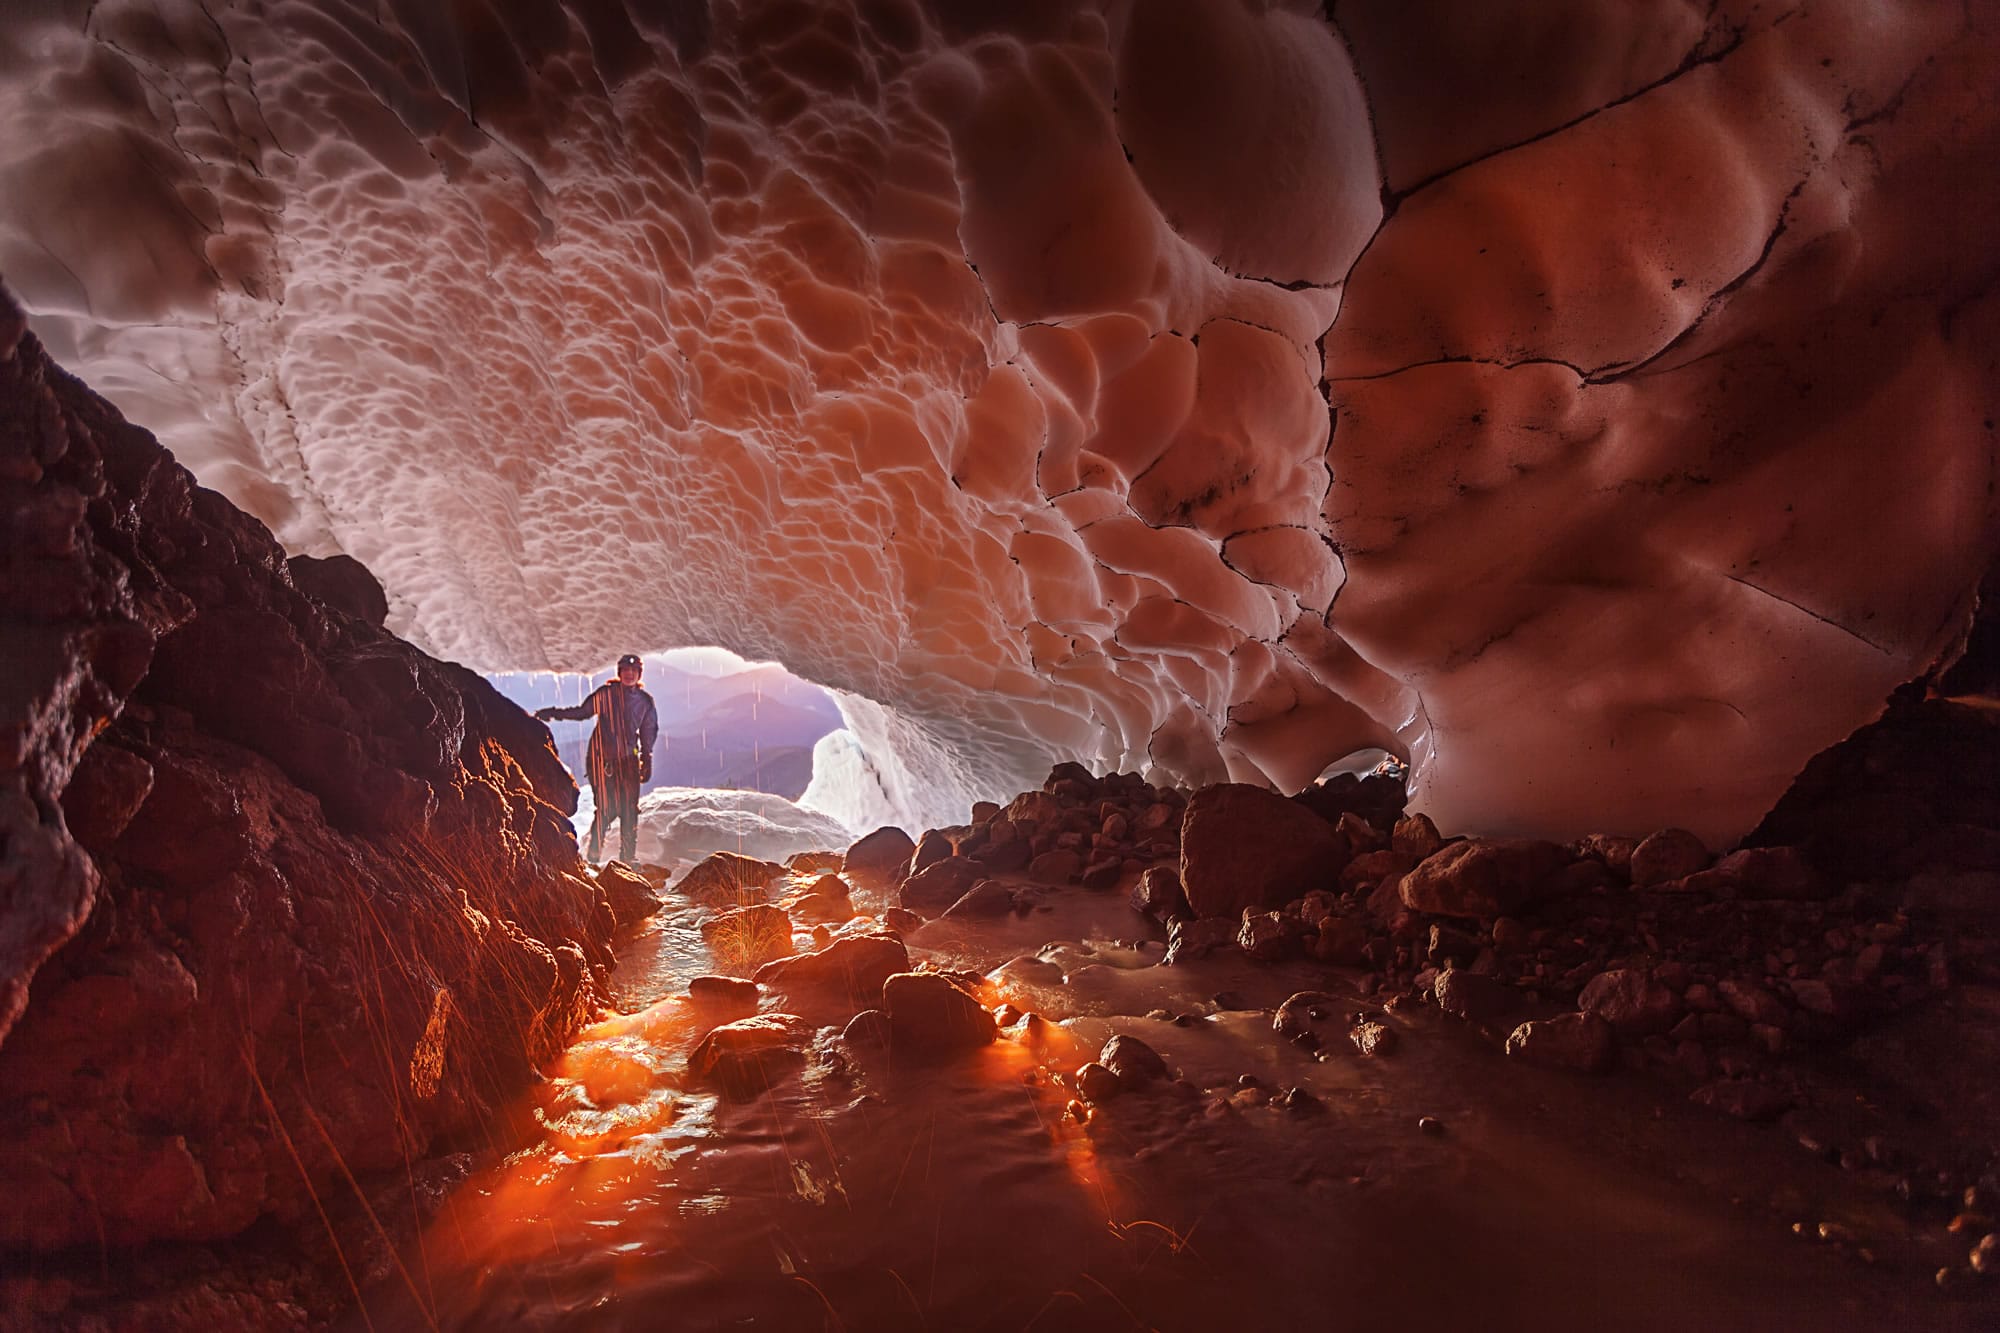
(1242, 846)
(935, 888)
(1483, 877)
(1582, 1042)
(745, 1058)
(728, 880)
(933, 847)
(1631, 1001)
(883, 854)
(632, 899)
(929, 1013)
(848, 971)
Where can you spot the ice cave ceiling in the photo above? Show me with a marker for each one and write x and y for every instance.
(1592, 401)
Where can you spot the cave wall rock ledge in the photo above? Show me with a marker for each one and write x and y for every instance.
(284, 902)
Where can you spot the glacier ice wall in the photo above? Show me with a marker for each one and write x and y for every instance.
(1592, 403)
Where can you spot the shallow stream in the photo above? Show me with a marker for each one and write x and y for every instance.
(964, 1195)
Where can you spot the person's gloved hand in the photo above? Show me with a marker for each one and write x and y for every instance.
(541, 715)
(645, 768)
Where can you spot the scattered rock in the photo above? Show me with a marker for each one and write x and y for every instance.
(1244, 847)
(1474, 998)
(930, 1013)
(1005, 857)
(746, 1057)
(901, 920)
(1369, 869)
(1372, 1038)
(938, 886)
(880, 855)
(808, 863)
(1416, 837)
(988, 898)
(1266, 936)
(1158, 894)
(824, 907)
(1985, 1258)
(1631, 1001)
(1306, 1017)
(1752, 1002)
(1614, 852)
(1132, 1060)
(868, 1029)
(851, 969)
(932, 848)
(1430, 1124)
(1102, 874)
(1342, 941)
(725, 879)
(1577, 1041)
(632, 899)
(1672, 853)
(1096, 1084)
(723, 992)
(1190, 939)
(1482, 877)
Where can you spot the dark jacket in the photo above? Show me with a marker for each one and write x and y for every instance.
(627, 726)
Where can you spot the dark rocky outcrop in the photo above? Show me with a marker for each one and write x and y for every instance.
(284, 903)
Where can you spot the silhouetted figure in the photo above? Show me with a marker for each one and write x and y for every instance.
(620, 757)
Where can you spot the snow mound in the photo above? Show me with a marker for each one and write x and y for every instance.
(680, 825)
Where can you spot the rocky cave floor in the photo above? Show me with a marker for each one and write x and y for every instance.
(1101, 1059)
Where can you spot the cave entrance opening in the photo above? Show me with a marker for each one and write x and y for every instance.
(733, 763)
(1360, 763)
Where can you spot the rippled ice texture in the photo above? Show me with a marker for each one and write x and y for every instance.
(1590, 402)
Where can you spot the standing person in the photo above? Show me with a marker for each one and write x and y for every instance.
(620, 757)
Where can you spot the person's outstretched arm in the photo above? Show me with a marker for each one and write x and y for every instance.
(582, 712)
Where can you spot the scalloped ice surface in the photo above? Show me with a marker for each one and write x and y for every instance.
(1594, 403)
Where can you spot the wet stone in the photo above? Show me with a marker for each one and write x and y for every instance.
(927, 1012)
(1096, 1084)
(1373, 1039)
(1188, 940)
(1266, 936)
(1158, 894)
(881, 854)
(723, 992)
(1132, 1060)
(1579, 1041)
(1474, 998)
